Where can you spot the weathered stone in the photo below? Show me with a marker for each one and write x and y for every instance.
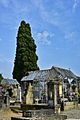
(53, 117)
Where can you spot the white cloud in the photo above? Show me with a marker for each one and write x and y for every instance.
(21, 8)
(45, 37)
(54, 16)
(14, 9)
(18, 7)
(5, 3)
(60, 16)
(75, 4)
(70, 36)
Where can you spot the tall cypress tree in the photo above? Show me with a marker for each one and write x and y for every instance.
(1, 77)
(26, 58)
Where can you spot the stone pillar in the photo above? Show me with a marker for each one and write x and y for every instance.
(19, 94)
(46, 91)
(50, 87)
(55, 97)
(60, 89)
(8, 101)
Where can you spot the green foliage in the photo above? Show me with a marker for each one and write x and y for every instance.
(26, 58)
(1, 77)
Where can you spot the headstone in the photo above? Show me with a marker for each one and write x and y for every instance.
(19, 94)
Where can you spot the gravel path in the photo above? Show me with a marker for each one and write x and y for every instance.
(6, 114)
(72, 114)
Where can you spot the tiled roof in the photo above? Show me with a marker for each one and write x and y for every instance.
(65, 72)
(9, 82)
(49, 74)
(41, 75)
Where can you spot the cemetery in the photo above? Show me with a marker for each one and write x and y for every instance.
(10, 92)
(43, 93)
(47, 92)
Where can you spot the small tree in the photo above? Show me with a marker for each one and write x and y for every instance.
(26, 58)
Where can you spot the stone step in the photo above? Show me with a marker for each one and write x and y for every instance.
(54, 117)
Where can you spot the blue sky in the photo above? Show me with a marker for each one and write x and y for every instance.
(55, 27)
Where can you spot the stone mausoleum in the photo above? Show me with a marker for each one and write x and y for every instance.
(46, 88)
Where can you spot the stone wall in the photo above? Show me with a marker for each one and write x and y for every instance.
(53, 117)
(70, 105)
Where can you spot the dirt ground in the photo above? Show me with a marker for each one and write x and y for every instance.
(73, 114)
(6, 114)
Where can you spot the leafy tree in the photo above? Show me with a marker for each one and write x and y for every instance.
(1, 77)
(26, 58)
